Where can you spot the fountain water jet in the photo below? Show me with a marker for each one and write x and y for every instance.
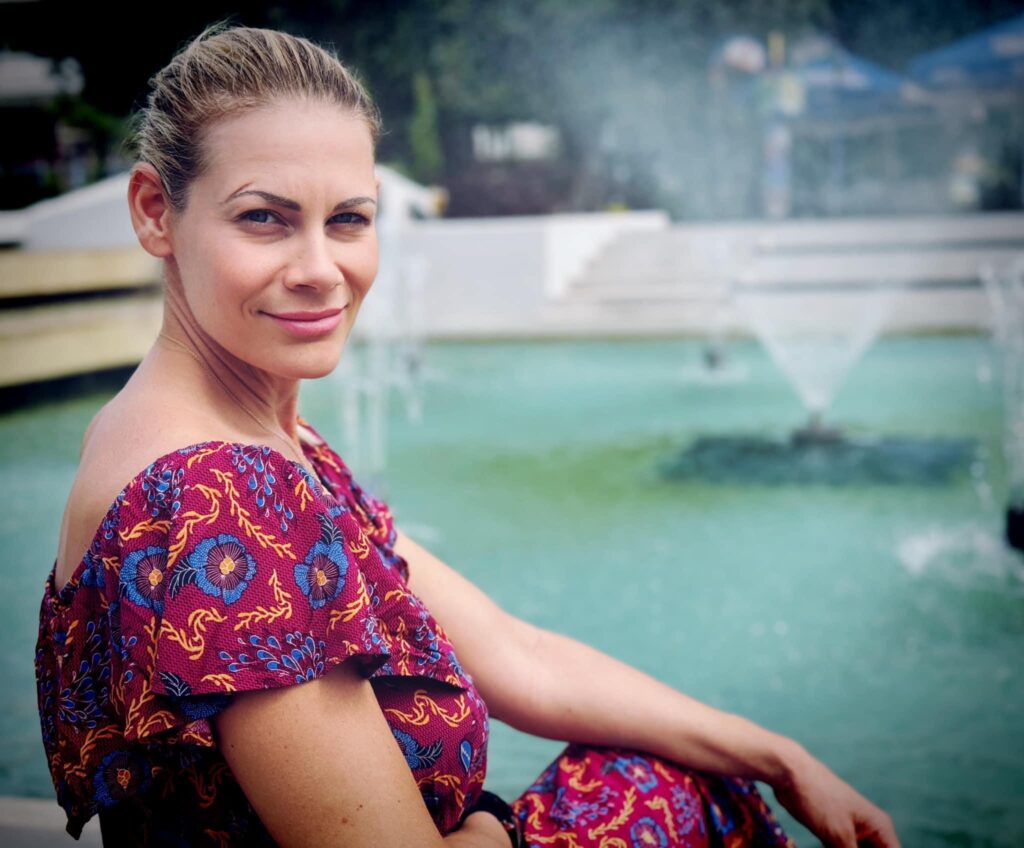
(815, 335)
(1005, 289)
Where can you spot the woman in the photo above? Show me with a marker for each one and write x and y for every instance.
(238, 647)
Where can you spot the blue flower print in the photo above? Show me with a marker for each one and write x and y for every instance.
(572, 812)
(120, 775)
(193, 706)
(426, 641)
(689, 811)
(302, 657)
(163, 489)
(721, 822)
(371, 634)
(321, 576)
(647, 833)
(253, 463)
(417, 756)
(112, 519)
(117, 640)
(473, 753)
(638, 772)
(47, 687)
(457, 666)
(85, 699)
(546, 781)
(142, 577)
(220, 566)
(93, 574)
(311, 481)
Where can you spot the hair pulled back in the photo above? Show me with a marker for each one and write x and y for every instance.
(225, 71)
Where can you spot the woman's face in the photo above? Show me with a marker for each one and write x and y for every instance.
(277, 246)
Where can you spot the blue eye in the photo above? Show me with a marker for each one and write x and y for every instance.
(247, 216)
(351, 218)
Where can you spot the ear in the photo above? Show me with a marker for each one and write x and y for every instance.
(150, 210)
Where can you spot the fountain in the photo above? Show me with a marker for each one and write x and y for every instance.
(387, 351)
(716, 365)
(816, 330)
(815, 335)
(1005, 289)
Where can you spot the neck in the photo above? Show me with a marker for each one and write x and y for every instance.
(242, 397)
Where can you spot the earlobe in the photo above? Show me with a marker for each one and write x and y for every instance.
(150, 210)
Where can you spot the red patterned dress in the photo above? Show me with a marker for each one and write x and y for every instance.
(224, 567)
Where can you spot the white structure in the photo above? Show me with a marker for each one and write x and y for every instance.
(25, 78)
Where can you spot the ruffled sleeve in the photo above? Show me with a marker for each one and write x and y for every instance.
(373, 514)
(236, 574)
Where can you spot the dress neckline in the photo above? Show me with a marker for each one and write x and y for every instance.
(309, 450)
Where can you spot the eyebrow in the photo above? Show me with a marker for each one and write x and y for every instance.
(277, 200)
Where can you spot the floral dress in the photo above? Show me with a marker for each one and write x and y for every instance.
(225, 567)
(221, 568)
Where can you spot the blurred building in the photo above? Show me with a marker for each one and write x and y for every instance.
(845, 136)
(49, 147)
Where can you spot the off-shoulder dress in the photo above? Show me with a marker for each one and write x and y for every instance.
(225, 567)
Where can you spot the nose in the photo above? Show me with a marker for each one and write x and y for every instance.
(316, 263)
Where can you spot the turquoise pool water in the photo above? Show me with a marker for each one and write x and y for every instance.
(882, 626)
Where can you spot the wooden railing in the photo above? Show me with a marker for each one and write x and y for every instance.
(77, 311)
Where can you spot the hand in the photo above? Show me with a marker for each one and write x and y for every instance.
(831, 809)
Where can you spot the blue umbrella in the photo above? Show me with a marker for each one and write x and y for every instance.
(991, 58)
(847, 82)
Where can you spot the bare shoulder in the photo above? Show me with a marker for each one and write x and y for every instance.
(123, 438)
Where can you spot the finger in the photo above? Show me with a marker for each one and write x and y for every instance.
(844, 838)
(887, 837)
(878, 831)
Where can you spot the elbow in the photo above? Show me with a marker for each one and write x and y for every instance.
(520, 692)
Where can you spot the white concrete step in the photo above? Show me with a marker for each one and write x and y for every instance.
(38, 823)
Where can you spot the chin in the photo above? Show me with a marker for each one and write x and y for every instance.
(317, 373)
(315, 367)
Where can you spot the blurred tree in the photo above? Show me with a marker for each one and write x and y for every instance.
(893, 32)
(424, 139)
(625, 82)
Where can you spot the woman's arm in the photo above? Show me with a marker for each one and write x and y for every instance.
(320, 767)
(554, 686)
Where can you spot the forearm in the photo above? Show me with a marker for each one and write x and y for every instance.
(579, 694)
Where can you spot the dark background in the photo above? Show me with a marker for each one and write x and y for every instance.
(625, 82)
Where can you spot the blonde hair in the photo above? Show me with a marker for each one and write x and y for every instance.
(224, 71)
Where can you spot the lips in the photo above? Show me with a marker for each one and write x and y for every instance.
(304, 316)
(306, 323)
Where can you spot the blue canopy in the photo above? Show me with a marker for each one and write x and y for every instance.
(848, 75)
(991, 58)
(843, 81)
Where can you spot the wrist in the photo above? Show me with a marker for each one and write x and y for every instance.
(788, 758)
(495, 815)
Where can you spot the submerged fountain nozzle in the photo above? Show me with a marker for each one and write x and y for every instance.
(1015, 527)
(814, 432)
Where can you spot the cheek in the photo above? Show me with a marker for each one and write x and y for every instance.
(216, 292)
(367, 266)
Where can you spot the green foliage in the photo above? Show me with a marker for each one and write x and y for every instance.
(424, 138)
(624, 81)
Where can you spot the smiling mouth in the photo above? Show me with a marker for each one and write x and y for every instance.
(307, 324)
(306, 315)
